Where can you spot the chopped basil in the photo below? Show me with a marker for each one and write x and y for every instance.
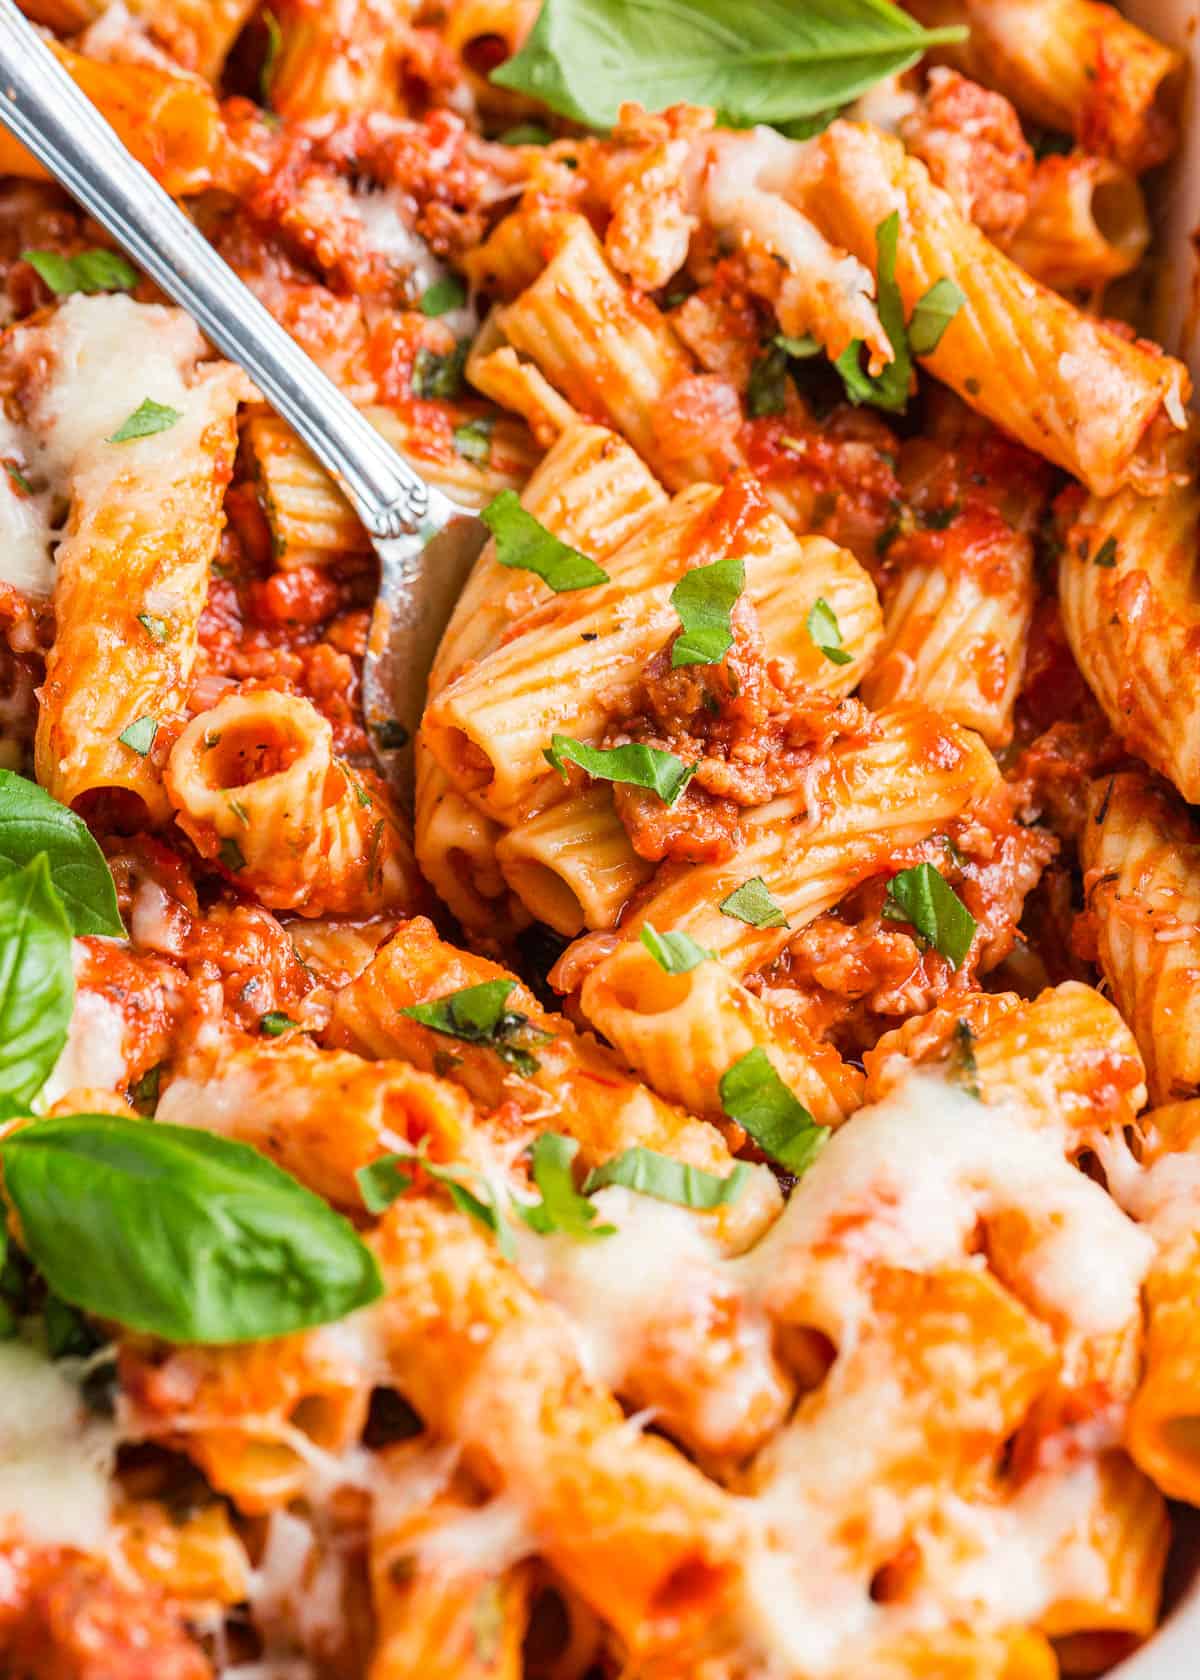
(155, 628)
(932, 315)
(37, 984)
(231, 854)
(753, 1094)
(384, 1180)
(88, 271)
(704, 598)
(17, 477)
(766, 391)
(635, 764)
(275, 1023)
(473, 441)
(800, 349)
(823, 627)
(31, 822)
(147, 419)
(922, 897)
(480, 1015)
(561, 1208)
(676, 953)
(443, 295)
(752, 903)
(1106, 554)
(139, 736)
(179, 1232)
(524, 544)
(771, 62)
(439, 376)
(888, 389)
(668, 1180)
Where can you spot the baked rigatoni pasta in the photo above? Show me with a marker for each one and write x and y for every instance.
(683, 1208)
(255, 785)
(1016, 352)
(1140, 858)
(145, 520)
(1127, 588)
(1074, 65)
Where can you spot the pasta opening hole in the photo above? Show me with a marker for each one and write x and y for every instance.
(250, 752)
(643, 988)
(114, 808)
(1118, 212)
(485, 53)
(546, 896)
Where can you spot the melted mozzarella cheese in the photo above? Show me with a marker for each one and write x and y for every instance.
(388, 232)
(904, 1183)
(25, 534)
(110, 353)
(94, 1055)
(613, 1294)
(55, 1457)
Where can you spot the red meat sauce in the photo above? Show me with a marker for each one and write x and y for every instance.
(64, 1616)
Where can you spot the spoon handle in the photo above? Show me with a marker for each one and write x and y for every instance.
(66, 133)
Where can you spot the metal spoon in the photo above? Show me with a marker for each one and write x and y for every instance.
(425, 542)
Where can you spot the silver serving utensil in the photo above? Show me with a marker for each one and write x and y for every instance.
(425, 542)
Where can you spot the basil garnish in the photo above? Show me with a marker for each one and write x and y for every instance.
(384, 1180)
(179, 1232)
(922, 897)
(37, 983)
(754, 1095)
(443, 295)
(147, 418)
(888, 389)
(638, 765)
(439, 376)
(752, 903)
(275, 1023)
(88, 271)
(769, 62)
(561, 1208)
(473, 441)
(675, 953)
(139, 737)
(480, 1015)
(826, 632)
(31, 822)
(525, 544)
(932, 315)
(668, 1180)
(704, 598)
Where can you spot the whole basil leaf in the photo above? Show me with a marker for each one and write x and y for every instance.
(37, 983)
(924, 898)
(705, 598)
(32, 822)
(769, 62)
(180, 1233)
(753, 1095)
(525, 544)
(635, 763)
